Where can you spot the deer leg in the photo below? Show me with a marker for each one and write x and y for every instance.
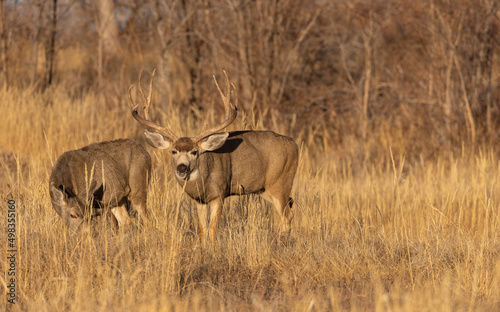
(121, 216)
(202, 222)
(283, 205)
(215, 213)
(138, 195)
(138, 204)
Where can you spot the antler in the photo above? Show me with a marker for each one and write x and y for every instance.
(147, 102)
(230, 110)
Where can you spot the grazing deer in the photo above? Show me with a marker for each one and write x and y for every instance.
(86, 181)
(214, 165)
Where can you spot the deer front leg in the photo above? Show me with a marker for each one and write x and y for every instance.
(215, 213)
(202, 222)
(121, 216)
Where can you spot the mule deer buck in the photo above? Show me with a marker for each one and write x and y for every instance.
(215, 164)
(86, 182)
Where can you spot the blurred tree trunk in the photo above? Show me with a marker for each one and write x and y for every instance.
(194, 46)
(243, 30)
(50, 48)
(34, 44)
(107, 29)
(3, 44)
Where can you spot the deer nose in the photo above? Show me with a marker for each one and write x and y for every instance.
(182, 169)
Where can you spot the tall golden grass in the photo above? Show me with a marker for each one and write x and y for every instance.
(385, 235)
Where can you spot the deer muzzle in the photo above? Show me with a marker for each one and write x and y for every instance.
(182, 171)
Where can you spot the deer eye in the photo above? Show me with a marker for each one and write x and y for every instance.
(194, 153)
(174, 152)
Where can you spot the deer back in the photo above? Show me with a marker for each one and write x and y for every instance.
(99, 171)
(248, 162)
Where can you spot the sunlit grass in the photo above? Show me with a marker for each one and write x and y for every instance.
(387, 235)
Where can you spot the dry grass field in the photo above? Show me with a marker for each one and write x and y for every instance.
(395, 105)
(386, 235)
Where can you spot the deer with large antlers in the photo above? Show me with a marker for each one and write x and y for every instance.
(216, 164)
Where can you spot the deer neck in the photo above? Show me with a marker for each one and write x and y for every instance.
(197, 186)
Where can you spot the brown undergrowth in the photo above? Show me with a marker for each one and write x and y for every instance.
(381, 235)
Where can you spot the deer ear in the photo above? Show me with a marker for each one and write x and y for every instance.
(157, 140)
(214, 142)
(58, 197)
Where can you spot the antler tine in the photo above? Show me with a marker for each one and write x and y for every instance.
(150, 95)
(230, 110)
(225, 99)
(235, 99)
(147, 102)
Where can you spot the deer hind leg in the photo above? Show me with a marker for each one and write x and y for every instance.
(139, 181)
(121, 216)
(138, 200)
(282, 204)
(139, 205)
